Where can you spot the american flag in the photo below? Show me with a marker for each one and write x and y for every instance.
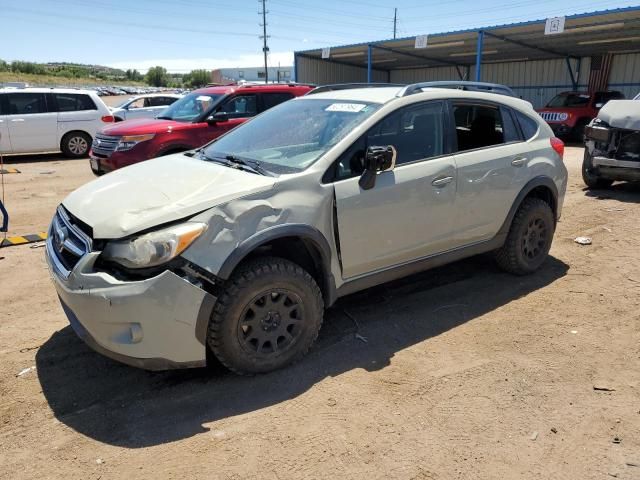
(599, 75)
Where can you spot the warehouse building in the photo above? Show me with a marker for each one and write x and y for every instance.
(251, 74)
(537, 59)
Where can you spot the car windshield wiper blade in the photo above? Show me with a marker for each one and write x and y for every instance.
(237, 162)
(160, 117)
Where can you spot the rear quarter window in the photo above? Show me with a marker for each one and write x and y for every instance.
(74, 102)
(528, 125)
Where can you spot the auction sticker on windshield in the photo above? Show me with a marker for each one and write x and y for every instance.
(345, 107)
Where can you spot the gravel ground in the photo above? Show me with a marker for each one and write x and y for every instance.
(466, 372)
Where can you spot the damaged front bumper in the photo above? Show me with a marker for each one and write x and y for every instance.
(157, 323)
(615, 153)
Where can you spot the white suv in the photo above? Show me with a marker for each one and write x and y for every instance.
(238, 247)
(36, 120)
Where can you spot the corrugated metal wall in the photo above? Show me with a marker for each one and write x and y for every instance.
(322, 72)
(625, 74)
(536, 81)
(415, 75)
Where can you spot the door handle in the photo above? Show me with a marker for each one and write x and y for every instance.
(519, 161)
(439, 182)
(17, 119)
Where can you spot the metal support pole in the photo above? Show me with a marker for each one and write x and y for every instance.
(479, 55)
(369, 70)
(574, 82)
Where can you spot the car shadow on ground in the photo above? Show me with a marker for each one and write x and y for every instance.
(626, 192)
(132, 408)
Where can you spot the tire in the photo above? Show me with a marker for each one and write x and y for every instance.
(529, 238)
(268, 316)
(76, 144)
(590, 175)
(578, 130)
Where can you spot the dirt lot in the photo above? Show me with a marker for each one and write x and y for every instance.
(467, 372)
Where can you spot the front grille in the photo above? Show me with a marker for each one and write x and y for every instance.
(66, 243)
(554, 116)
(104, 145)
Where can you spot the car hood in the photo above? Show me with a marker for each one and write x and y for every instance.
(141, 126)
(158, 191)
(621, 114)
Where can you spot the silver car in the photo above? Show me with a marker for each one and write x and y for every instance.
(239, 246)
(143, 106)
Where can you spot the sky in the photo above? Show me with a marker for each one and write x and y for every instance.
(183, 35)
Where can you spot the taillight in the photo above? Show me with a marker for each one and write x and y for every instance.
(558, 146)
(108, 119)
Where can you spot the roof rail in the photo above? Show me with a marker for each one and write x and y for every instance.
(458, 85)
(348, 86)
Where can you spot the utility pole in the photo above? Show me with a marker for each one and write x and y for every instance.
(265, 48)
(395, 22)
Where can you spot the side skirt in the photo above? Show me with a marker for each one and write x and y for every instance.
(420, 265)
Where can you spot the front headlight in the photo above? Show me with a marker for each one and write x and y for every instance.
(154, 248)
(129, 141)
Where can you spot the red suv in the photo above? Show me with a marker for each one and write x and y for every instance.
(569, 112)
(188, 123)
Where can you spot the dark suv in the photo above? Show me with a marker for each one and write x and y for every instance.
(192, 121)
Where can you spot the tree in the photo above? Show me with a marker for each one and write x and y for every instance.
(157, 76)
(133, 75)
(4, 66)
(198, 78)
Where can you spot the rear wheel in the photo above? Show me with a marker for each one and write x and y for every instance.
(529, 238)
(76, 144)
(590, 174)
(268, 316)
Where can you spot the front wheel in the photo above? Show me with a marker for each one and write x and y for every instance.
(529, 238)
(76, 144)
(268, 316)
(590, 175)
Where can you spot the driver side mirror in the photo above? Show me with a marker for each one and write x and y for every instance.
(377, 159)
(218, 117)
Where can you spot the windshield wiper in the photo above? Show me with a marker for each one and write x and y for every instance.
(236, 162)
(252, 164)
(164, 118)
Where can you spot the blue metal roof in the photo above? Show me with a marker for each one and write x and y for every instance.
(489, 28)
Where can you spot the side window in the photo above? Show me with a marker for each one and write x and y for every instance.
(509, 130)
(477, 126)
(240, 106)
(528, 125)
(72, 102)
(139, 103)
(417, 132)
(26, 103)
(270, 100)
(162, 101)
(4, 107)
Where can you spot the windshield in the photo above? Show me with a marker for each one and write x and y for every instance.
(637, 97)
(569, 100)
(190, 107)
(290, 137)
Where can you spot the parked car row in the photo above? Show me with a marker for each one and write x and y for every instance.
(235, 249)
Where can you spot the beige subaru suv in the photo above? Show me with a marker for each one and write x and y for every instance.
(238, 247)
